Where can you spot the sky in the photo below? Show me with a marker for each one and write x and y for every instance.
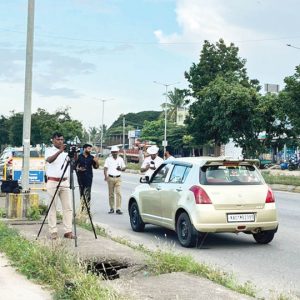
(95, 54)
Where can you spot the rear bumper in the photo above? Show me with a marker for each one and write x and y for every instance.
(237, 227)
(207, 219)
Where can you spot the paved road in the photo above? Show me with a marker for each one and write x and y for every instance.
(273, 267)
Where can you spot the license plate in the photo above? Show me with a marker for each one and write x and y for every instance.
(231, 218)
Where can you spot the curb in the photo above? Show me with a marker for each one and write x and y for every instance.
(285, 188)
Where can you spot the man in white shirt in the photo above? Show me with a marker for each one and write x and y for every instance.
(151, 162)
(56, 160)
(113, 166)
(168, 154)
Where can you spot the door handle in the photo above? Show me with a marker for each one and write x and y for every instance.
(179, 189)
(158, 188)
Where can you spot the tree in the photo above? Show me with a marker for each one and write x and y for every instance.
(4, 131)
(217, 60)
(154, 131)
(290, 97)
(136, 119)
(226, 99)
(177, 100)
(43, 124)
(224, 110)
(15, 125)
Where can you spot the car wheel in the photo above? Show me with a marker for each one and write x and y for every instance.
(264, 237)
(186, 232)
(136, 221)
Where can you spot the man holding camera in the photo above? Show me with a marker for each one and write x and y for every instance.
(56, 161)
(113, 166)
(84, 169)
(151, 162)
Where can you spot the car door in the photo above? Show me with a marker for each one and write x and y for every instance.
(151, 199)
(172, 192)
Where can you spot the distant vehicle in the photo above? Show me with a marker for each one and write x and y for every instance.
(293, 163)
(197, 195)
(6, 160)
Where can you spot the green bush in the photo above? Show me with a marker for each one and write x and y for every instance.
(281, 179)
(33, 213)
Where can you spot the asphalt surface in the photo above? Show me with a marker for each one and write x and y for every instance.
(272, 268)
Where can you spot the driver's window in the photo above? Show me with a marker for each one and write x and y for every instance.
(178, 174)
(161, 174)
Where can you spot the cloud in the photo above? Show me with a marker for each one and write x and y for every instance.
(51, 91)
(11, 64)
(51, 69)
(200, 20)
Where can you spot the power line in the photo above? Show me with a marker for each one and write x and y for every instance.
(145, 42)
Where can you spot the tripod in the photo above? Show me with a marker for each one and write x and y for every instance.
(70, 162)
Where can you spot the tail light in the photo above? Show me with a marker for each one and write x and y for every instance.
(200, 195)
(270, 196)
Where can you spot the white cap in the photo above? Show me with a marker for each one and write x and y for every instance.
(114, 149)
(152, 150)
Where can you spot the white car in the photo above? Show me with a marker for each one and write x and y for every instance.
(197, 195)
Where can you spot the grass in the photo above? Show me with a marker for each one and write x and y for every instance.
(163, 262)
(166, 262)
(53, 267)
(281, 179)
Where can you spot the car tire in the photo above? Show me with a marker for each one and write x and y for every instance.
(186, 232)
(136, 221)
(264, 237)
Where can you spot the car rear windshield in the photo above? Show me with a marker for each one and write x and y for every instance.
(33, 153)
(230, 175)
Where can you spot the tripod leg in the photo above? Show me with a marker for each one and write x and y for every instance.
(86, 204)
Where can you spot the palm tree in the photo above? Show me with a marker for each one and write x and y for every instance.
(177, 100)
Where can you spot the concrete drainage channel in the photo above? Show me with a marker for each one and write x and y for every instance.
(108, 270)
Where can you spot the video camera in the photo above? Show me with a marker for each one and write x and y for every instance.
(72, 149)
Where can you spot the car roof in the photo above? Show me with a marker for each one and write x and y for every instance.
(201, 160)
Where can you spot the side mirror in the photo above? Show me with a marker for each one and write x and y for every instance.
(144, 179)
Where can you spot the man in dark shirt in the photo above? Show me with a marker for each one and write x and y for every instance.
(84, 169)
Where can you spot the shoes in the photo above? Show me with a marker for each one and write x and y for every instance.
(111, 211)
(118, 211)
(69, 235)
(53, 236)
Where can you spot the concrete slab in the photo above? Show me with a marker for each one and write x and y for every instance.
(134, 281)
(14, 286)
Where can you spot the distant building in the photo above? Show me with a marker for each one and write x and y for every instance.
(182, 112)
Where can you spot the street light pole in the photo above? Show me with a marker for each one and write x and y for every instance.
(165, 142)
(289, 45)
(102, 124)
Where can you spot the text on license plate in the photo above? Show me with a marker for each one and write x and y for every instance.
(240, 218)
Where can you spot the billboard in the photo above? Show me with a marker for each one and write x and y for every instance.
(36, 169)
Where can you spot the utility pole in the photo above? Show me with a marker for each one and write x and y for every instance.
(124, 151)
(27, 96)
(101, 136)
(102, 125)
